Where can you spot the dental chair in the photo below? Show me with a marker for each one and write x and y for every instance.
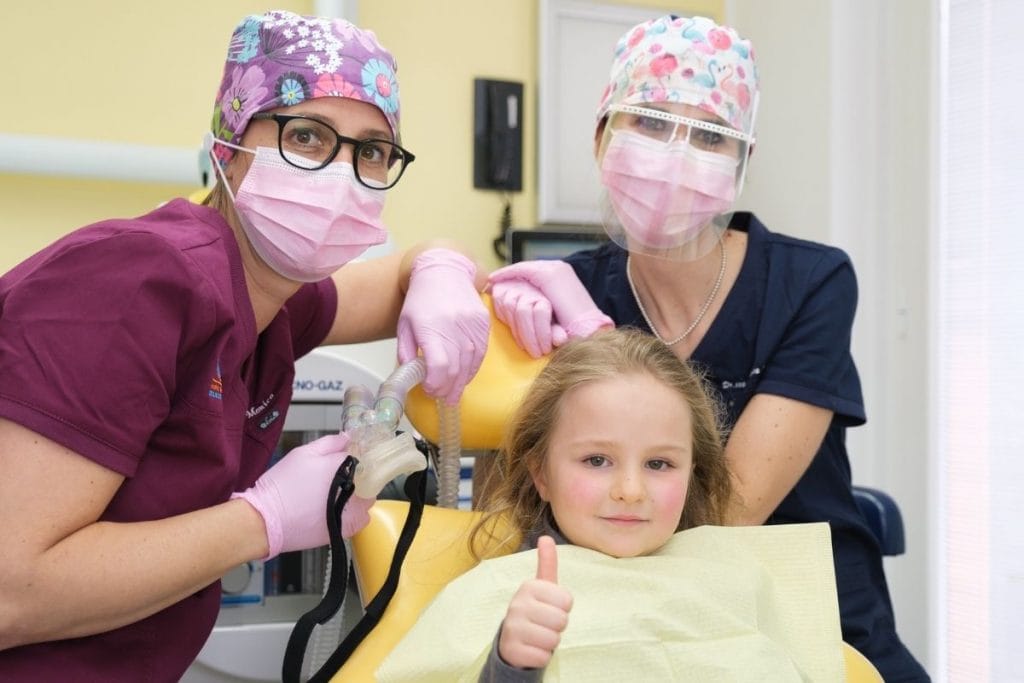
(438, 555)
(439, 552)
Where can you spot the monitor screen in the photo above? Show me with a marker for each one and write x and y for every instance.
(541, 243)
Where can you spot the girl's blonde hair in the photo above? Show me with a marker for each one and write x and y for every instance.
(510, 491)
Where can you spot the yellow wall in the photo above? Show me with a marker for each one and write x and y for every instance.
(147, 72)
(119, 70)
(122, 70)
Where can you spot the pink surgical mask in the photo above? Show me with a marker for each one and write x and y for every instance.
(665, 194)
(307, 224)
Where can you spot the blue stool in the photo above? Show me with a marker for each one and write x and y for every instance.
(883, 517)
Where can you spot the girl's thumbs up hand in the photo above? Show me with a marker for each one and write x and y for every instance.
(537, 614)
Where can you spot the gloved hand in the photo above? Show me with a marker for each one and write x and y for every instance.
(527, 312)
(444, 317)
(570, 304)
(292, 497)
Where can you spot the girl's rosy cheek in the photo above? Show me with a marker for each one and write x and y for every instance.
(673, 497)
(584, 488)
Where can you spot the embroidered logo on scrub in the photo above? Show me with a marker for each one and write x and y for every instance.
(269, 418)
(217, 385)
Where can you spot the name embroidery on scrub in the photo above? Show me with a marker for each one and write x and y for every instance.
(217, 385)
(255, 410)
(741, 384)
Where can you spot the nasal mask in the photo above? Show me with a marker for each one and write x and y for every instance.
(377, 456)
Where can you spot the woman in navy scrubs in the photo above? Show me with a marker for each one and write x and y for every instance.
(767, 317)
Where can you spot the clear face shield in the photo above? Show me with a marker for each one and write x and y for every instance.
(670, 178)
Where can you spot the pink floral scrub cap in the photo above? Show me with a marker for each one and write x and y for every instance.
(280, 58)
(690, 60)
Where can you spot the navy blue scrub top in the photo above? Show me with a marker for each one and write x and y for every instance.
(785, 329)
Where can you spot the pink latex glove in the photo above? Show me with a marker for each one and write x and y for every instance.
(527, 312)
(292, 497)
(571, 307)
(444, 317)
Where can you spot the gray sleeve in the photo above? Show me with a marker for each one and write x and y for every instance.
(497, 671)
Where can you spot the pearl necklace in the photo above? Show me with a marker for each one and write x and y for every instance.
(703, 309)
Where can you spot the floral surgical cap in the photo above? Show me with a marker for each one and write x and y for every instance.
(280, 58)
(689, 60)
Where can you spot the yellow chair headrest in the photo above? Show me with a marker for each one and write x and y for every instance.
(489, 399)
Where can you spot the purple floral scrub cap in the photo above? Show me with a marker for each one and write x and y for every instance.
(689, 60)
(280, 58)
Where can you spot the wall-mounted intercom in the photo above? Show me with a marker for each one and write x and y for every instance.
(497, 135)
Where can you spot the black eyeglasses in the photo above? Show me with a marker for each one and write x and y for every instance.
(311, 145)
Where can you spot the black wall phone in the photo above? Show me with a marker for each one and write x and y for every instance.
(497, 135)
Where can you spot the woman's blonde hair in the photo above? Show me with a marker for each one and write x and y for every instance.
(510, 491)
(218, 198)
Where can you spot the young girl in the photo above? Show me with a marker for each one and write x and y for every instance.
(614, 449)
(589, 400)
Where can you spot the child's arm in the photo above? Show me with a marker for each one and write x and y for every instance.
(533, 625)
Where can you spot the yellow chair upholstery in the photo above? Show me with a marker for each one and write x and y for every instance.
(859, 668)
(439, 554)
